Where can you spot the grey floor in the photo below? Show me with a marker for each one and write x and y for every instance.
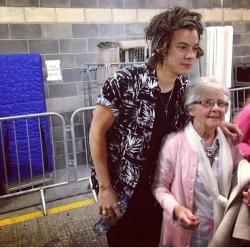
(70, 228)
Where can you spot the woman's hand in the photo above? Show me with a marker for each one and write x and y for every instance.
(232, 131)
(186, 217)
(246, 196)
(108, 207)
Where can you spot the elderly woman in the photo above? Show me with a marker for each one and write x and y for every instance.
(195, 168)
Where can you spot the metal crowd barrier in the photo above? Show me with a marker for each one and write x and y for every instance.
(21, 126)
(93, 76)
(82, 171)
(238, 98)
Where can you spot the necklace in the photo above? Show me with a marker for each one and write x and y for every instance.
(212, 151)
(166, 105)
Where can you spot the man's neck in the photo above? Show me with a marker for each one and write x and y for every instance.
(166, 79)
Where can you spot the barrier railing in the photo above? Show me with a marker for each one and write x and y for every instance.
(27, 148)
(238, 98)
(93, 76)
(84, 117)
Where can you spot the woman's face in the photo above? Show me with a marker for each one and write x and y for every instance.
(182, 52)
(209, 111)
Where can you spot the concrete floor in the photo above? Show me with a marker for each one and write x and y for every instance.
(68, 228)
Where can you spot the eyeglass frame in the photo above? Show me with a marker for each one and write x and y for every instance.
(220, 103)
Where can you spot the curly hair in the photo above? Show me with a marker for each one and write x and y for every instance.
(161, 29)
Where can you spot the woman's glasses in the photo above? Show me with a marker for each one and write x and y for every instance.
(209, 103)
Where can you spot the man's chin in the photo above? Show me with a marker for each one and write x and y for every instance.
(186, 73)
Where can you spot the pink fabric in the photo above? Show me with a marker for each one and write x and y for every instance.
(174, 184)
(243, 121)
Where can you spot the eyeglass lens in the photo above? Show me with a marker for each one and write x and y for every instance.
(209, 103)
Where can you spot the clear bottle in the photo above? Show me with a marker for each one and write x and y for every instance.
(101, 226)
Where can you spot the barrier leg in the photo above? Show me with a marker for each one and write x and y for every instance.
(43, 202)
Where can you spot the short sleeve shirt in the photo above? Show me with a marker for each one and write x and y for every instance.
(132, 95)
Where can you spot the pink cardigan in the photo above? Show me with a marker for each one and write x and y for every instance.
(174, 184)
(243, 121)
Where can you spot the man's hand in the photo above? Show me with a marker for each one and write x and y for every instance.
(108, 207)
(186, 217)
(232, 131)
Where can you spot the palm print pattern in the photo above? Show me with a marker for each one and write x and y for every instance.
(132, 94)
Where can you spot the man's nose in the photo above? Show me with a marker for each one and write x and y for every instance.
(191, 53)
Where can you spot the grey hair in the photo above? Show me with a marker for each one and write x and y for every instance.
(202, 85)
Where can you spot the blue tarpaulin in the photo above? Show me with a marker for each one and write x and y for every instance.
(22, 92)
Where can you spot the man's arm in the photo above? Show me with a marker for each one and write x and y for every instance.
(103, 119)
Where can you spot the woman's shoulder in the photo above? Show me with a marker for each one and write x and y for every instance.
(174, 139)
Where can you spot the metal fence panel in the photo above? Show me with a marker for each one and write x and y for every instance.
(31, 181)
(82, 167)
(93, 78)
(238, 98)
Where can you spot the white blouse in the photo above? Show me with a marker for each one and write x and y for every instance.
(203, 208)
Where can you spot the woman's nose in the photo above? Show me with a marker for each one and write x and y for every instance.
(216, 107)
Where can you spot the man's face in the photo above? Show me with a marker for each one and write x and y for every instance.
(182, 51)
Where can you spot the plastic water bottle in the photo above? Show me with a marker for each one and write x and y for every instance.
(101, 226)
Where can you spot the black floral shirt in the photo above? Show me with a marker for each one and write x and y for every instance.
(132, 95)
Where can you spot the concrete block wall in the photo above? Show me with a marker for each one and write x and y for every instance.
(69, 30)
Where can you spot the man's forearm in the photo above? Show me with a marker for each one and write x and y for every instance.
(99, 156)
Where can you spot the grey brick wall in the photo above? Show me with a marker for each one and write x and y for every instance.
(14, 46)
(124, 3)
(241, 42)
(55, 3)
(130, 4)
(198, 4)
(76, 44)
(25, 31)
(141, 4)
(57, 31)
(4, 31)
(20, 3)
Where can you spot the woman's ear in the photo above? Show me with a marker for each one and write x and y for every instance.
(190, 110)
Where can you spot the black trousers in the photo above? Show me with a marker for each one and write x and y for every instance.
(141, 223)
